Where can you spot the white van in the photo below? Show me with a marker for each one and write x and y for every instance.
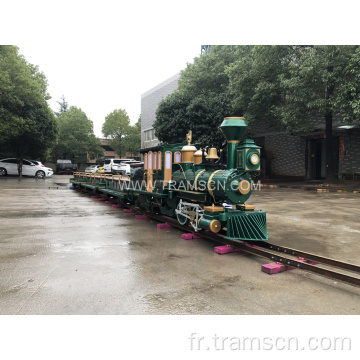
(113, 166)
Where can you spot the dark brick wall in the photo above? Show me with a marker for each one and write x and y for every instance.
(288, 151)
(287, 154)
(350, 164)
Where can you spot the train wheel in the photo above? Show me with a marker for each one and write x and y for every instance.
(181, 214)
(189, 213)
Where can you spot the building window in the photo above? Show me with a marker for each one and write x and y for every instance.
(149, 135)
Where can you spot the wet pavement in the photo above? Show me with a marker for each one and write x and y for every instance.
(62, 252)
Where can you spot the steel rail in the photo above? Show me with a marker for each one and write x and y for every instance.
(311, 257)
(259, 249)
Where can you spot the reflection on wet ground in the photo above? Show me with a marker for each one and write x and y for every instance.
(62, 252)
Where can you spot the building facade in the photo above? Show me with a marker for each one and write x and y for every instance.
(304, 156)
(300, 157)
(149, 104)
(109, 153)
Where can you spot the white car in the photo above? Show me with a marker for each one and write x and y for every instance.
(112, 166)
(92, 169)
(50, 171)
(125, 167)
(29, 168)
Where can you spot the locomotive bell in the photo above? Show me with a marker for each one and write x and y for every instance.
(212, 154)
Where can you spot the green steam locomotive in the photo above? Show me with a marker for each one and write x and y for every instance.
(200, 187)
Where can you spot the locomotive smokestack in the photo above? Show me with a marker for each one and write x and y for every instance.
(233, 129)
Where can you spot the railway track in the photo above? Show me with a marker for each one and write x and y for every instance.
(326, 267)
(330, 268)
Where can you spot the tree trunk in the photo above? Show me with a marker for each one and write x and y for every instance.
(19, 164)
(330, 174)
(330, 171)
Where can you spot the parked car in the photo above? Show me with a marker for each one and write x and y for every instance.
(50, 170)
(112, 166)
(29, 168)
(125, 167)
(100, 170)
(65, 167)
(92, 169)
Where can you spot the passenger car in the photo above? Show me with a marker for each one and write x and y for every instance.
(50, 170)
(100, 170)
(112, 166)
(125, 167)
(9, 167)
(92, 169)
(65, 167)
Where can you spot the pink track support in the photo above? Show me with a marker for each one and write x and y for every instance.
(225, 249)
(163, 225)
(276, 267)
(141, 217)
(189, 236)
(128, 211)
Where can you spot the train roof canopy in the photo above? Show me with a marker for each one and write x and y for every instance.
(161, 147)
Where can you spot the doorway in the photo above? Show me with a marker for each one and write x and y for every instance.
(316, 158)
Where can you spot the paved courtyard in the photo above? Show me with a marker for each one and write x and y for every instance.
(62, 252)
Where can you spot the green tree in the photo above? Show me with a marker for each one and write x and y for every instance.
(76, 137)
(63, 106)
(27, 124)
(202, 114)
(132, 139)
(201, 101)
(289, 85)
(116, 127)
(255, 81)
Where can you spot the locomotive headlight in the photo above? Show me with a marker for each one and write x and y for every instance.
(248, 156)
(254, 159)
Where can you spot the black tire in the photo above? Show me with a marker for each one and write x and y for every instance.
(40, 174)
(3, 172)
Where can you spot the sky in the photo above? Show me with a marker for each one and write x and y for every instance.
(103, 55)
(100, 78)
